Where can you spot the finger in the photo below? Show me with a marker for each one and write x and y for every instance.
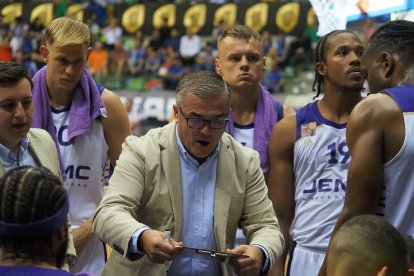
(160, 257)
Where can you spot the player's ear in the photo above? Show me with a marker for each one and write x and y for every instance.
(320, 68)
(388, 63)
(218, 67)
(44, 53)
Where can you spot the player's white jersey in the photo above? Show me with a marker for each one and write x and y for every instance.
(321, 160)
(397, 203)
(86, 166)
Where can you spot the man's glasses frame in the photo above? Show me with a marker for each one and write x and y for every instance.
(199, 123)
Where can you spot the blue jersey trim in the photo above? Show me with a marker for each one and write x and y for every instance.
(310, 113)
(57, 111)
(249, 126)
(403, 95)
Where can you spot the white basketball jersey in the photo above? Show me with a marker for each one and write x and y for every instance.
(397, 206)
(86, 166)
(244, 134)
(321, 160)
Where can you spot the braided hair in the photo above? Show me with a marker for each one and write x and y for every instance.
(29, 194)
(320, 56)
(395, 37)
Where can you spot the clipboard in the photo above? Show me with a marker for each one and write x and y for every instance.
(217, 255)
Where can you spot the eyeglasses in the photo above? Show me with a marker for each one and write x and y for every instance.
(199, 123)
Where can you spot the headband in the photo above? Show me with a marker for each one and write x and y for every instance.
(36, 228)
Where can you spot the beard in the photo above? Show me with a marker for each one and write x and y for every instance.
(61, 253)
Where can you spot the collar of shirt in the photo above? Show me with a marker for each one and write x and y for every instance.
(187, 156)
(9, 158)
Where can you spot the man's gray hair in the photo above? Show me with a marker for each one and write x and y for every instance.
(203, 84)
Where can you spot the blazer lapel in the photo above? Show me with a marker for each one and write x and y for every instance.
(38, 155)
(170, 161)
(223, 192)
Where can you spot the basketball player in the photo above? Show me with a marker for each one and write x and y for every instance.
(309, 156)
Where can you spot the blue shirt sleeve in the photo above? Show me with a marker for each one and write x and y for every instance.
(133, 242)
(266, 262)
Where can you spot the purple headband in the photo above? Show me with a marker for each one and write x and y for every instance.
(36, 228)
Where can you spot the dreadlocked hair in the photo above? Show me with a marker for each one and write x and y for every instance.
(395, 37)
(320, 56)
(29, 194)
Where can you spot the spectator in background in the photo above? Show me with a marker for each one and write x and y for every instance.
(268, 44)
(174, 72)
(17, 35)
(92, 7)
(37, 27)
(118, 58)
(26, 62)
(174, 40)
(367, 245)
(61, 8)
(217, 32)
(205, 60)
(155, 41)
(94, 28)
(136, 61)
(4, 27)
(165, 30)
(298, 52)
(112, 34)
(190, 46)
(6, 51)
(369, 29)
(272, 80)
(153, 63)
(98, 61)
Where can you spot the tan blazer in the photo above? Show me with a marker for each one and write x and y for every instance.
(145, 189)
(44, 151)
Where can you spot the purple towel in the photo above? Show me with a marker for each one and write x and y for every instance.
(264, 120)
(85, 108)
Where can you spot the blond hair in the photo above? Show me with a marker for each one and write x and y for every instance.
(65, 31)
(241, 32)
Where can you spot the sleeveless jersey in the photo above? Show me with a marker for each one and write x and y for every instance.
(86, 165)
(244, 134)
(320, 161)
(398, 204)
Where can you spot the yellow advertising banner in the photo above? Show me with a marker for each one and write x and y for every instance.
(133, 18)
(166, 11)
(226, 13)
(195, 17)
(287, 17)
(75, 11)
(257, 16)
(11, 11)
(43, 11)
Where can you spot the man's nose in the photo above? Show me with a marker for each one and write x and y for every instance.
(69, 70)
(19, 111)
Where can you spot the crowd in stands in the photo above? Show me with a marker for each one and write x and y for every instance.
(136, 62)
